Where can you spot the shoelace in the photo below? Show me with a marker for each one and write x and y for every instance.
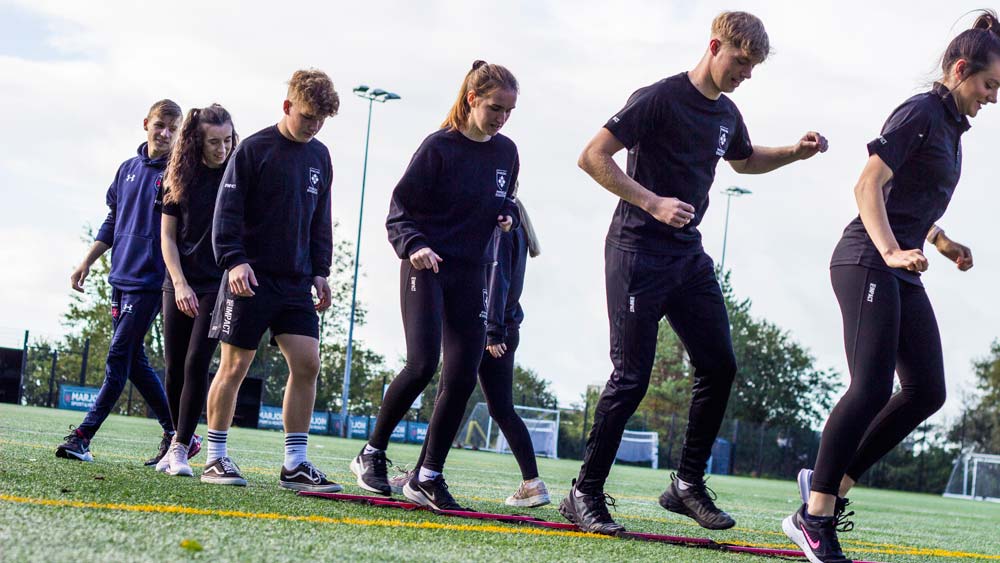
(381, 463)
(841, 516)
(314, 473)
(228, 465)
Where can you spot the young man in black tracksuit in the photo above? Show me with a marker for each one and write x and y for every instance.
(676, 131)
(272, 232)
(132, 232)
(458, 188)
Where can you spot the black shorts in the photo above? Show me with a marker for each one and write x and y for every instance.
(284, 305)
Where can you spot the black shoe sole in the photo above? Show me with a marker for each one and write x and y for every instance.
(680, 508)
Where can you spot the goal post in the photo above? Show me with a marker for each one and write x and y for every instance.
(481, 432)
(640, 447)
(975, 476)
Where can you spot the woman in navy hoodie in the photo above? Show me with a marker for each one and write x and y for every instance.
(457, 189)
(132, 231)
(193, 276)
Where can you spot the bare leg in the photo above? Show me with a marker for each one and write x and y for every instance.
(302, 354)
(233, 367)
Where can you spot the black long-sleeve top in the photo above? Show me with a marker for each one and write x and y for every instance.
(451, 194)
(506, 283)
(273, 209)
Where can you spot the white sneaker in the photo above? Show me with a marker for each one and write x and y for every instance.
(177, 460)
(530, 494)
(164, 463)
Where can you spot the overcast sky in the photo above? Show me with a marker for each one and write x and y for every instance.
(77, 78)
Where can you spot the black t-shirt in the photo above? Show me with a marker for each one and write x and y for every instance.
(922, 144)
(194, 231)
(675, 137)
(273, 209)
(451, 194)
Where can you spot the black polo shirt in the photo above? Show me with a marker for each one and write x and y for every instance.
(675, 137)
(922, 144)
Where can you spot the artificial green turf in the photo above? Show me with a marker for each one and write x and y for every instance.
(30, 532)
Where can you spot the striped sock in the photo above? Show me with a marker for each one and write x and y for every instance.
(295, 449)
(216, 445)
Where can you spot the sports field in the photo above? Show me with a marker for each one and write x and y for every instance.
(115, 509)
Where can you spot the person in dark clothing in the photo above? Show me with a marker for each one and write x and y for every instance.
(889, 325)
(458, 188)
(676, 131)
(272, 233)
(192, 282)
(496, 370)
(132, 231)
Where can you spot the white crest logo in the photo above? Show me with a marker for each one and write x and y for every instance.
(502, 179)
(314, 179)
(723, 140)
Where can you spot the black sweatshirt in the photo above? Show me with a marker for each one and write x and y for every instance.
(273, 210)
(451, 194)
(194, 231)
(506, 283)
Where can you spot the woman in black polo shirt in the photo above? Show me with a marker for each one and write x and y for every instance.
(457, 189)
(192, 282)
(889, 325)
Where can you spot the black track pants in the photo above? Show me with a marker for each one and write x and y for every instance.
(496, 375)
(889, 325)
(444, 310)
(641, 290)
(187, 352)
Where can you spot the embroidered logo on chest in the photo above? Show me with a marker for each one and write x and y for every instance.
(501, 183)
(723, 140)
(314, 178)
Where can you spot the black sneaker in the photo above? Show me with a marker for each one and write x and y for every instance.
(696, 502)
(307, 477)
(818, 539)
(223, 471)
(75, 446)
(840, 513)
(433, 493)
(164, 446)
(590, 512)
(371, 471)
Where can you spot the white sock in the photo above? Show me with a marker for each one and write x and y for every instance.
(427, 474)
(295, 449)
(369, 449)
(683, 485)
(216, 445)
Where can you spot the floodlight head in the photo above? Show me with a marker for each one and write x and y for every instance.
(392, 96)
(736, 191)
(378, 92)
(360, 89)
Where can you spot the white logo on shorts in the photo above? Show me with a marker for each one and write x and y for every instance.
(227, 317)
(413, 283)
(631, 303)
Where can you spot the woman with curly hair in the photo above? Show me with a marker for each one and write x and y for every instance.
(194, 172)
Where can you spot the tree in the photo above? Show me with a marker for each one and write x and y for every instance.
(979, 425)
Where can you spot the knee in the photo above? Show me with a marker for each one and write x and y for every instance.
(421, 369)
(304, 369)
(717, 369)
(932, 399)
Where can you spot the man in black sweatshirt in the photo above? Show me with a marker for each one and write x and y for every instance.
(272, 232)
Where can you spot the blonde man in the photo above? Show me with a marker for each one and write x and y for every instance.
(272, 233)
(676, 130)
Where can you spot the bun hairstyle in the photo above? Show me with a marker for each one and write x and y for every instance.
(187, 153)
(483, 79)
(977, 45)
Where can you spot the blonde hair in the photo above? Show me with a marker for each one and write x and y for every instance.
(315, 89)
(164, 108)
(744, 31)
(483, 79)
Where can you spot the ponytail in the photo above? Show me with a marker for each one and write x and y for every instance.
(483, 79)
(977, 45)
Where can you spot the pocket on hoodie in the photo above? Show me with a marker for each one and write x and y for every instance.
(134, 258)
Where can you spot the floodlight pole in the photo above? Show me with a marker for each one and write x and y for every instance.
(372, 95)
(730, 192)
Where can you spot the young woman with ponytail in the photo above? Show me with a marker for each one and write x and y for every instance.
(194, 172)
(889, 324)
(457, 189)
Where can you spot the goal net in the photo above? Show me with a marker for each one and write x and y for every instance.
(975, 476)
(481, 432)
(640, 447)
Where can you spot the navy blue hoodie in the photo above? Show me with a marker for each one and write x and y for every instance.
(506, 283)
(132, 228)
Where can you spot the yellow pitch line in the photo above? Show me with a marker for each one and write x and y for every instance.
(173, 509)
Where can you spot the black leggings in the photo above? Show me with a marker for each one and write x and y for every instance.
(187, 354)
(889, 325)
(496, 376)
(448, 310)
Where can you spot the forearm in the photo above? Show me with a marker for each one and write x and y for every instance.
(871, 207)
(606, 172)
(96, 251)
(766, 159)
(172, 259)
